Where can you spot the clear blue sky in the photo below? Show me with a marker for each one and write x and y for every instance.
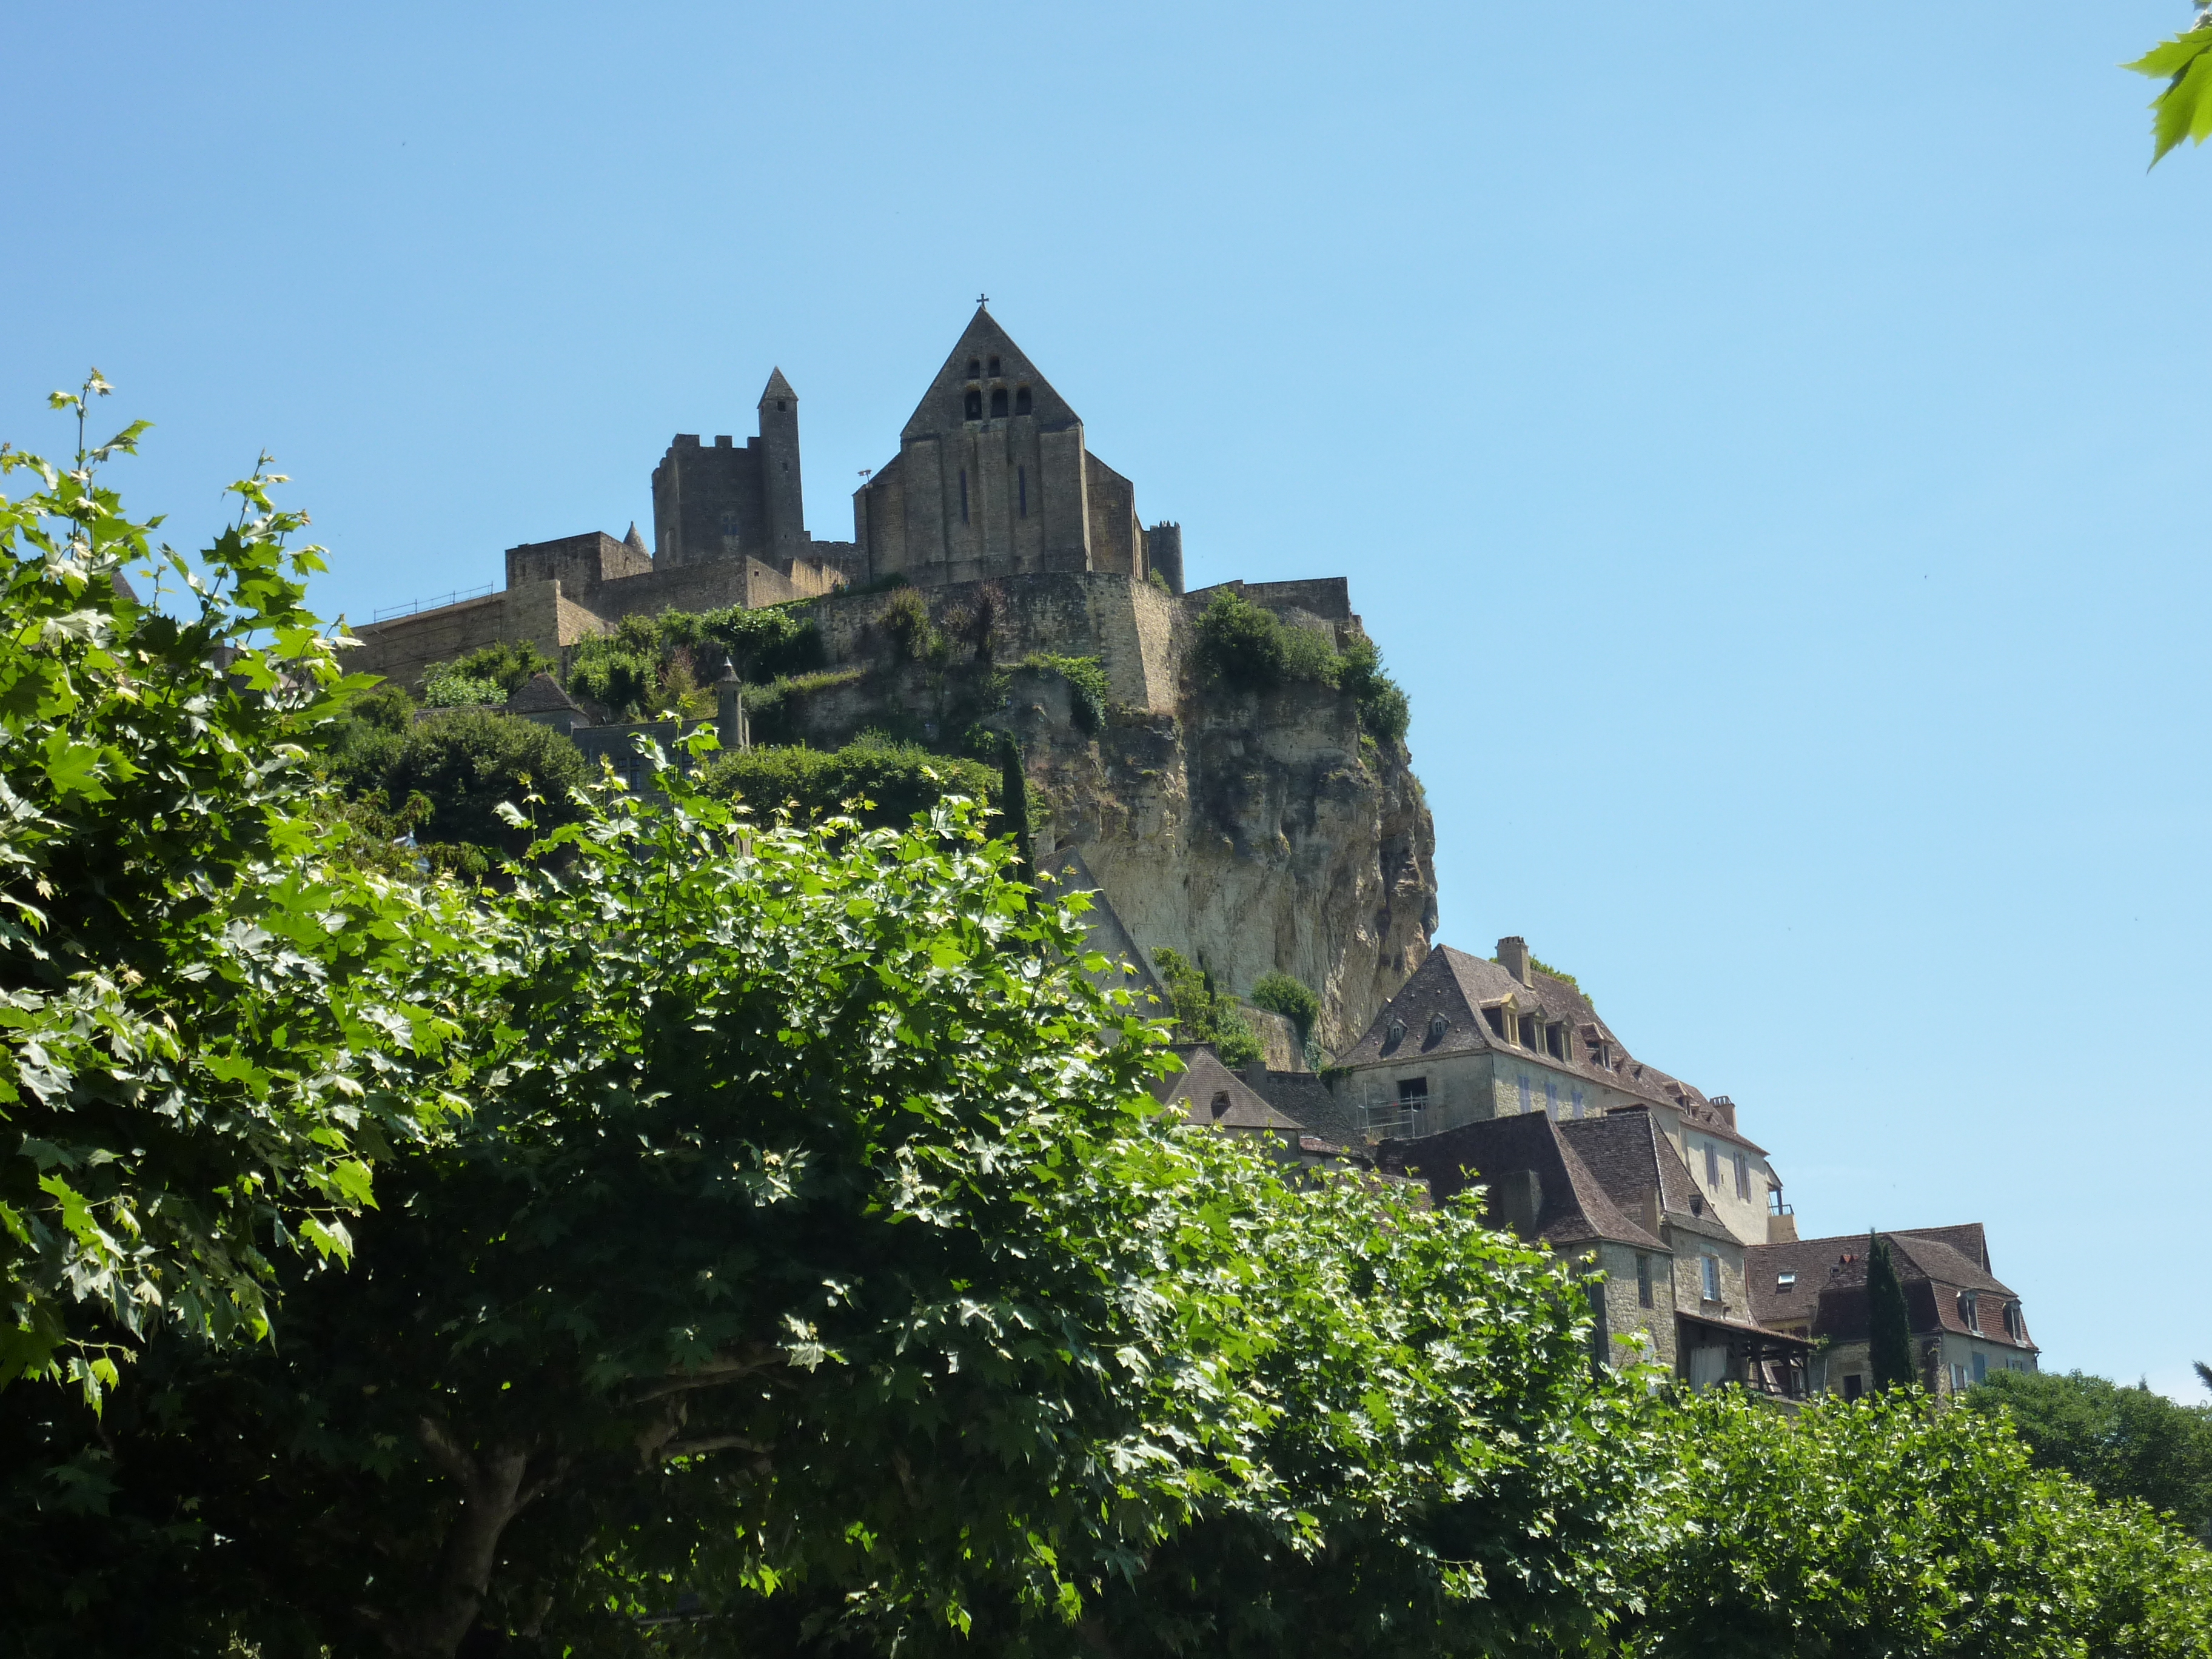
(1767, 441)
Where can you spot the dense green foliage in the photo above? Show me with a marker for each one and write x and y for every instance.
(2184, 110)
(1203, 1014)
(2125, 1443)
(1013, 819)
(1889, 1322)
(467, 765)
(212, 1027)
(1087, 685)
(667, 663)
(1247, 646)
(490, 674)
(1291, 998)
(1886, 1526)
(895, 780)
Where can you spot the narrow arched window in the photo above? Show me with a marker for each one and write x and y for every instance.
(974, 369)
(1022, 401)
(998, 404)
(995, 365)
(974, 405)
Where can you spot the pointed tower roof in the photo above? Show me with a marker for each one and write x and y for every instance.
(635, 541)
(777, 387)
(941, 408)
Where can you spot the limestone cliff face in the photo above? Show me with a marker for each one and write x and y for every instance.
(1254, 832)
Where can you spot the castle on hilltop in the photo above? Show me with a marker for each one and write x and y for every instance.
(994, 479)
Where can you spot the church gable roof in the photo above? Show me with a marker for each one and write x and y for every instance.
(942, 407)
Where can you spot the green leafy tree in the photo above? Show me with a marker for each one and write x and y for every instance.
(1889, 1322)
(471, 767)
(213, 1025)
(1247, 646)
(1014, 803)
(1291, 998)
(1882, 1526)
(2184, 110)
(2124, 1442)
(1202, 1014)
(489, 674)
(897, 780)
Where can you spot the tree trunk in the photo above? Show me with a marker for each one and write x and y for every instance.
(492, 1495)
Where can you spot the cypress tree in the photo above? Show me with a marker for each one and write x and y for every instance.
(1889, 1325)
(1014, 804)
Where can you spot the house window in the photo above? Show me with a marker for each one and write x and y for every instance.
(1551, 1096)
(1712, 1166)
(1497, 1018)
(1709, 1270)
(2011, 1320)
(1743, 1176)
(1958, 1379)
(975, 405)
(1526, 1105)
(1022, 484)
(1785, 1281)
(999, 402)
(1981, 1367)
(1854, 1386)
(964, 495)
(1970, 1311)
(1413, 1093)
(1022, 401)
(1642, 1281)
(1578, 1103)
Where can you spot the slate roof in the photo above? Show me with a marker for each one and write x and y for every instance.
(1211, 1093)
(1631, 1158)
(1303, 1096)
(541, 694)
(1458, 986)
(1575, 1208)
(777, 386)
(1933, 1264)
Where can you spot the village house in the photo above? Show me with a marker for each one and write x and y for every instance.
(1966, 1323)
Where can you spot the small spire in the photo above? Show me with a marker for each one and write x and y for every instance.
(777, 387)
(635, 541)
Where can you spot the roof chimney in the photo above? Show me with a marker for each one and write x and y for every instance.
(1513, 957)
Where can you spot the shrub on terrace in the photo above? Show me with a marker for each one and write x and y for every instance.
(898, 780)
(1247, 646)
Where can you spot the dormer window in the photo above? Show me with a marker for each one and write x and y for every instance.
(1496, 1017)
(1394, 1033)
(1555, 1041)
(1970, 1311)
(1221, 1103)
(2011, 1320)
(1438, 1026)
(1785, 1281)
(1529, 1037)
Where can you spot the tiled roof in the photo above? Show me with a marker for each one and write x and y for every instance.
(1210, 1093)
(1305, 1098)
(1458, 986)
(541, 694)
(1627, 1153)
(1575, 1208)
(1829, 1292)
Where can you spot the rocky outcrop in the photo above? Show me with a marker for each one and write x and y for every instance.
(1252, 831)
